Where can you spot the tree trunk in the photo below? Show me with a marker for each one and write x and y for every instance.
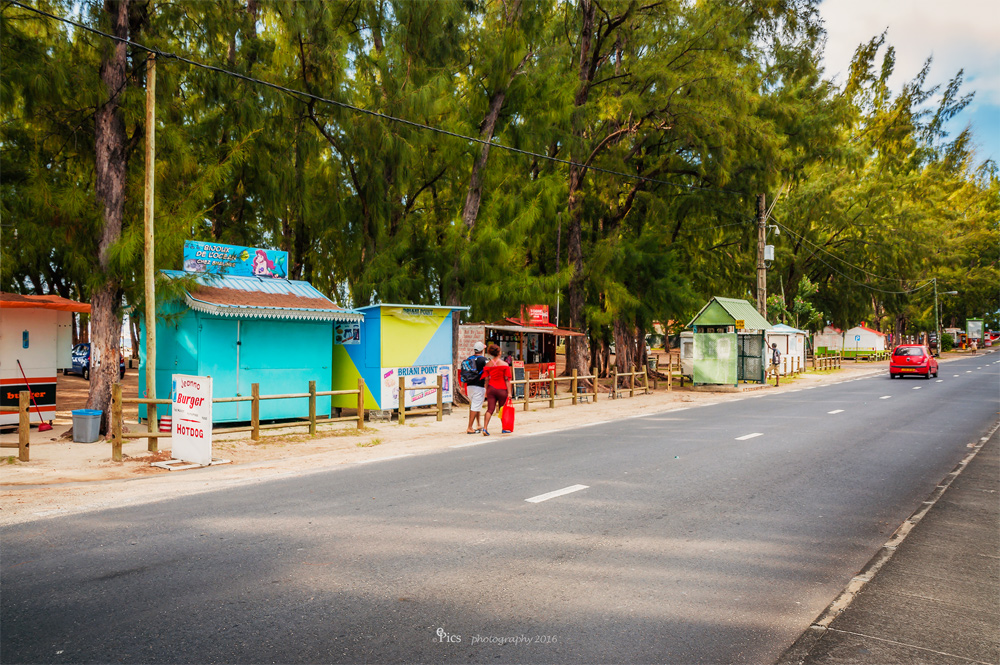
(577, 352)
(110, 141)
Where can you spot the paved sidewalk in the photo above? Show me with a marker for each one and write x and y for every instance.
(932, 594)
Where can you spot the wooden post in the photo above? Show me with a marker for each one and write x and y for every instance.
(402, 400)
(149, 276)
(670, 373)
(312, 408)
(552, 390)
(527, 388)
(116, 422)
(23, 425)
(614, 383)
(255, 411)
(631, 381)
(440, 411)
(645, 380)
(151, 426)
(361, 403)
(572, 385)
(593, 373)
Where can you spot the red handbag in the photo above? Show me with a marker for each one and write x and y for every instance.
(507, 417)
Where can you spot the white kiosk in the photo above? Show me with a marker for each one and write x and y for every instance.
(36, 338)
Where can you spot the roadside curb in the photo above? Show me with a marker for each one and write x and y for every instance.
(800, 650)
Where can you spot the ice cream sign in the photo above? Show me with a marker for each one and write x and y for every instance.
(219, 259)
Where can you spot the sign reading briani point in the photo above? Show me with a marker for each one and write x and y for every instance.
(191, 412)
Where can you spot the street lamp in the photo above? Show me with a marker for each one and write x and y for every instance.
(937, 316)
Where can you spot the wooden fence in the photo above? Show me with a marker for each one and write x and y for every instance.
(830, 361)
(23, 427)
(402, 399)
(117, 435)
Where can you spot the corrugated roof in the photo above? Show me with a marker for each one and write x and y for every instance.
(739, 310)
(16, 300)
(387, 304)
(782, 328)
(261, 297)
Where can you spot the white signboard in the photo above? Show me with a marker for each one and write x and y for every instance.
(423, 377)
(191, 413)
(347, 333)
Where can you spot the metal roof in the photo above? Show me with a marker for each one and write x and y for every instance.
(738, 310)
(261, 298)
(411, 305)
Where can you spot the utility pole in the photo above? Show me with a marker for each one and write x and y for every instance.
(761, 268)
(151, 420)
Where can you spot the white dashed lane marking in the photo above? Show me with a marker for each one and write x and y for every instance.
(885, 397)
(939, 381)
(749, 436)
(917, 387)
(835, 411)
(552, 495)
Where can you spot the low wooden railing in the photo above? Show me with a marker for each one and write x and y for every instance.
(402, 399)
(118, 435)
(832, 361)
(23, 427)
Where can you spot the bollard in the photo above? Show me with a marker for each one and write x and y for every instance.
(361, 403)
(614, 383)
(670, 373)
(439, 406)
(573, 387)
(23, 425)
(116, 422)
(312, 408)
(255, 411)
(152, 445)
(527, 387)
(593, 374)
(402, 401)
(552, 390)
(631, 381)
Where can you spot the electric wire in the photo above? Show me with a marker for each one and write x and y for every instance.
(859, 268)
(305, 96)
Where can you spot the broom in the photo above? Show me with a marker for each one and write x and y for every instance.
(42, 425)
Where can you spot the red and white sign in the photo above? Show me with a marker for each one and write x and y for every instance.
(191, 413)
(538, 314)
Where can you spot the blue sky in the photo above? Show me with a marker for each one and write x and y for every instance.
(958, 34)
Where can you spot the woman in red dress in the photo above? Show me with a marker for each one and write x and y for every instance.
(498, 377)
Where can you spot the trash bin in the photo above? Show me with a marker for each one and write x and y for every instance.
(86, 425)
(653, 362)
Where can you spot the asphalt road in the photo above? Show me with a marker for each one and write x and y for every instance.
(708, 535)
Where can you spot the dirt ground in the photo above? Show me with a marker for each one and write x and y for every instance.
(64, 477)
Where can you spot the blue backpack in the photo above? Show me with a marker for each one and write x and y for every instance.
(468, 370)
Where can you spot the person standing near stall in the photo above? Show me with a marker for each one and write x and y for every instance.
(472, 375)
(498, 377)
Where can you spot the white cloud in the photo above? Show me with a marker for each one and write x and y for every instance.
(959, 35)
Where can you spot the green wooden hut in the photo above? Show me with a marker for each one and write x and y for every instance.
(729, 344)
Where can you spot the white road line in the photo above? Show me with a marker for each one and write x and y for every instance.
(466, 445)
(835, 411)
(939, 381)
(383, 459)
(917, 387)
(968, 371)
(956, 376)
(552, 495)
(749, 436)
(885, 397)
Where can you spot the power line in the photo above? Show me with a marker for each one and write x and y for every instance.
(845, 262)
(303, 96)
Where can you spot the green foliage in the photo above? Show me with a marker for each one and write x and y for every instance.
(711, 102)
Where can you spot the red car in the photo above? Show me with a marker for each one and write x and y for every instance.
(912, 359)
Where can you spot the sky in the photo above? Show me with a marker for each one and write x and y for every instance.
(958, 34)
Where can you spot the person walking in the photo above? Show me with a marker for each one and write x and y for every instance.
(472, 375)
(775, 361)
(498, 377)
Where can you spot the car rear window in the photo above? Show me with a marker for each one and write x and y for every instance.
(909, 351)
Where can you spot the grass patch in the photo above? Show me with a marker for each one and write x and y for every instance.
(371, 443)
(10, 459)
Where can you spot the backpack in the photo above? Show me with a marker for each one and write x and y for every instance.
(468, 370)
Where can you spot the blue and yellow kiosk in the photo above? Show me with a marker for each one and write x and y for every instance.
(412, 341)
